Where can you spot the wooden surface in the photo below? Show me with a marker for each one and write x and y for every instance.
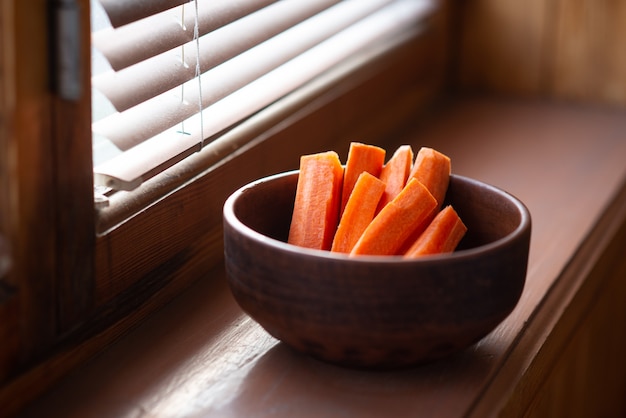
(564, 49)
(579, 370)
(201, 355)
(47, 212)
(27, 314)
(73, 194)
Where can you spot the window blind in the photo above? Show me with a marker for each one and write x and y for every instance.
(182, 75)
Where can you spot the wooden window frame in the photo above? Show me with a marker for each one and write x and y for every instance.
(50, 203)
(98, 273)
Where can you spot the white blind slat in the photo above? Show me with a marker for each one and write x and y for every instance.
(145, 38)
(161, 151)
(135, 125)
(158, 74)
(123, 12)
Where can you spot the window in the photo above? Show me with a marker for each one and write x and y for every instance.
(210, 73)
(100, 271)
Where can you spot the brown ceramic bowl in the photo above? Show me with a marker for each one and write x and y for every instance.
(376, 311)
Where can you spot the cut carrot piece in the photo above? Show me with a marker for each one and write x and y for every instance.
(432, 169)
(396, 221)
(395, 174)
(318, 196)
(361, 157)
(359, 212)
(442, 235)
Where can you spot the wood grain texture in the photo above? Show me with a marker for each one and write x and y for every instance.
(31, 232)
(586, 376)
(73, 193)
(588, 58)
(47, 212)
(560, 325)
(562, 49)
(8, 323)
(502, 46)
(201, 356)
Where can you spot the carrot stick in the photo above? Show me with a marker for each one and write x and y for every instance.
(359, 212)
(361, 157)
(316, 205)
(442, 235)
(396, 221)
(432, 169)
(395, 174)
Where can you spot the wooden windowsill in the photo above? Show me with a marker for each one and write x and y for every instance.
(201, 356)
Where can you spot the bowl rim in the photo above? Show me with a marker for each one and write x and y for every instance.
(458, 255)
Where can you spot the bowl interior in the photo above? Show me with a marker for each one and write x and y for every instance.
(490, 214)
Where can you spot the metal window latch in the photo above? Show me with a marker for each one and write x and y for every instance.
(67, 44)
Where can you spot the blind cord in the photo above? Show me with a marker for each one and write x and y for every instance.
(198, 72)
(184, 63)
(196, 37)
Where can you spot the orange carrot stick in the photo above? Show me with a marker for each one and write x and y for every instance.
(442, 235)
(318, 196)
(361, 157)
(359, 212)
(395, 174)
(395, 223)
(432, 169)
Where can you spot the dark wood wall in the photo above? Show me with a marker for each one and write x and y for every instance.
(560, 49)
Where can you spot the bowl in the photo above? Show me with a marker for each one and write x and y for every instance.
(376, 312)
